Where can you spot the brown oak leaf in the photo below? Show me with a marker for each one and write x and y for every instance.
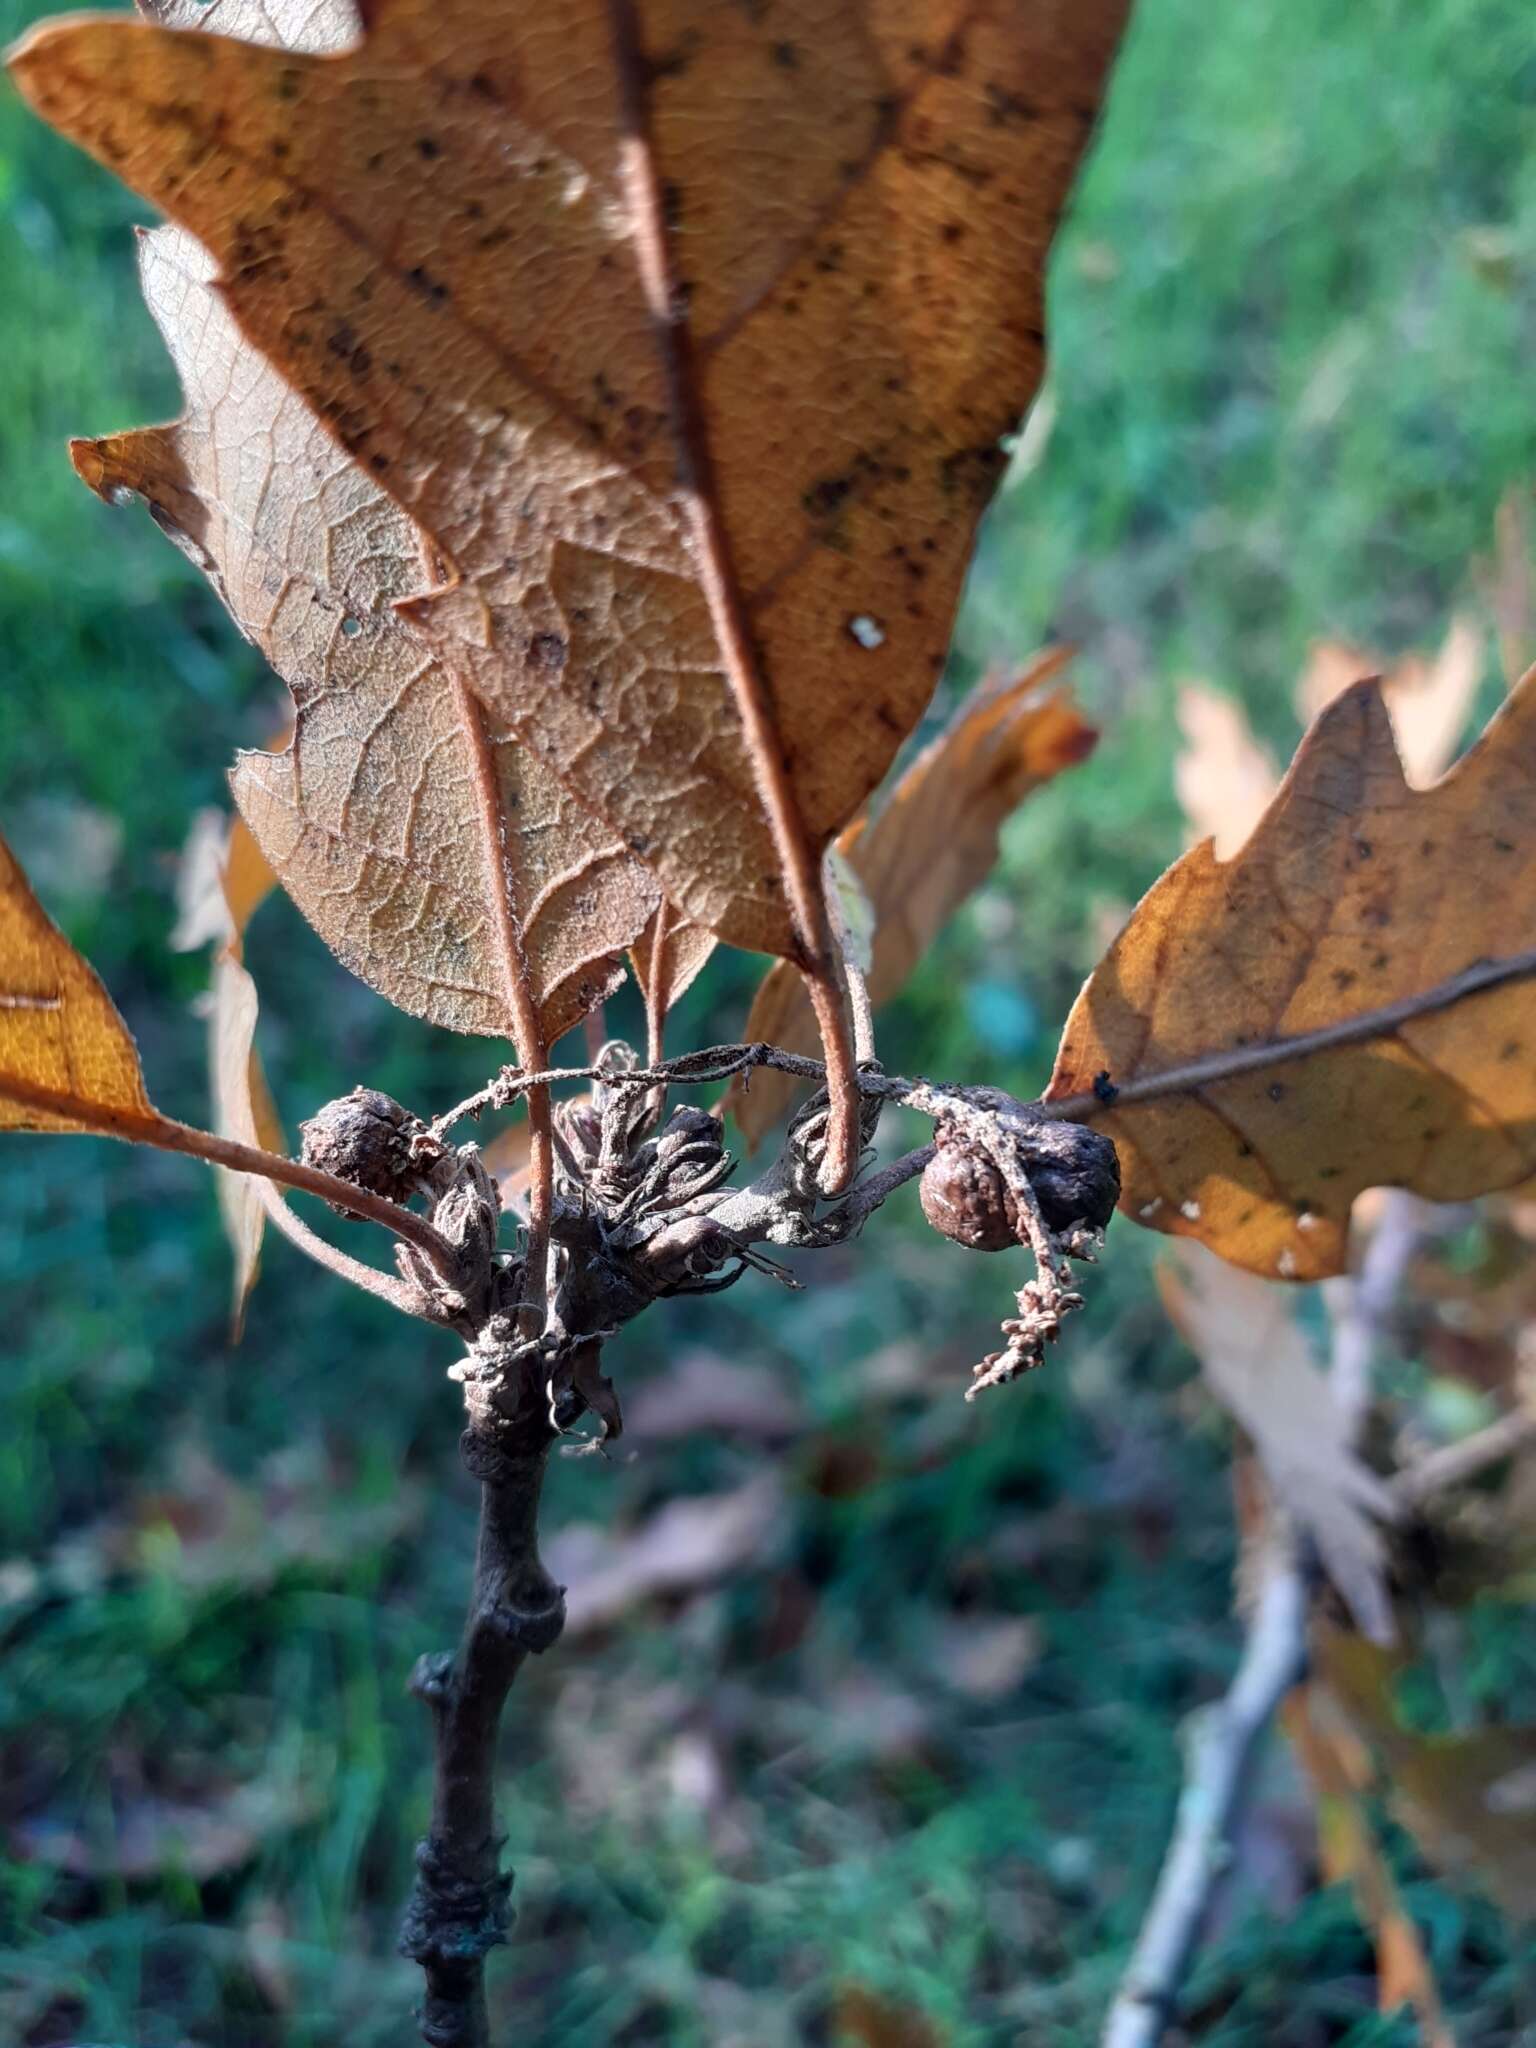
(685, 335)
(1344, 1004)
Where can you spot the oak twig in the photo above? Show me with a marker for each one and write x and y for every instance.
(1219, 1769)
(460, 1907)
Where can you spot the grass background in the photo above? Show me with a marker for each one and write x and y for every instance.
(1293, 323)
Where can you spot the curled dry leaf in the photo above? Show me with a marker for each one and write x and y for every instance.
(930, 844)
(527, 277)
(149, 1836)
(1342, 1005)
(1257, 1362)
(429, 850)
(68, 1063)
(224, 879)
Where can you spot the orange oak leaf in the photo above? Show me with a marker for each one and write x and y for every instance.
(929, 845)
(684, 333)
(1341, 1005)
(67, 1060)
(69, 1063)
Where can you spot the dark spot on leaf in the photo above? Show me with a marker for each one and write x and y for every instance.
(547, 650)
(1276, 1091)
(822, 498)
(786, 56)
(1008, 109)
(428, 147)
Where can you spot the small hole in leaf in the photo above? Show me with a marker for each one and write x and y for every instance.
(867, 631)
(351, 627)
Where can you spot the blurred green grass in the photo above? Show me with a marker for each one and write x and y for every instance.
(1293, 323)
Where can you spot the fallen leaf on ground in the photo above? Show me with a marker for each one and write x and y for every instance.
(1256, 1360)
(862, 2018)
(686, 1545)
(206, 1529)
(706, 1395)
(1354, 899)
(932, 842)
(153, 1837)
(861, 202)
(986, 1657)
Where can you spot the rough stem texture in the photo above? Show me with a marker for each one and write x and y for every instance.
(460, 1907)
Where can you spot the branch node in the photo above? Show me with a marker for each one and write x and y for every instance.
(454, 1916)
(432, 1678)
(535, 1632)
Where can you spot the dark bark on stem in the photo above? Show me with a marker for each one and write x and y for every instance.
(460, 1906)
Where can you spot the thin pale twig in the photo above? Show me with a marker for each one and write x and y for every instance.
(1220, 1764)
(1222, 1748)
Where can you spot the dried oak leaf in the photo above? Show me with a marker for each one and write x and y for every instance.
(1257, 1362)
(684, 333)
(930, 844)
(434, 854)
(1294, 1025)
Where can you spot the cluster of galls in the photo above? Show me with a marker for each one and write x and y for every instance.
(640, 1210)
(629, 1224)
